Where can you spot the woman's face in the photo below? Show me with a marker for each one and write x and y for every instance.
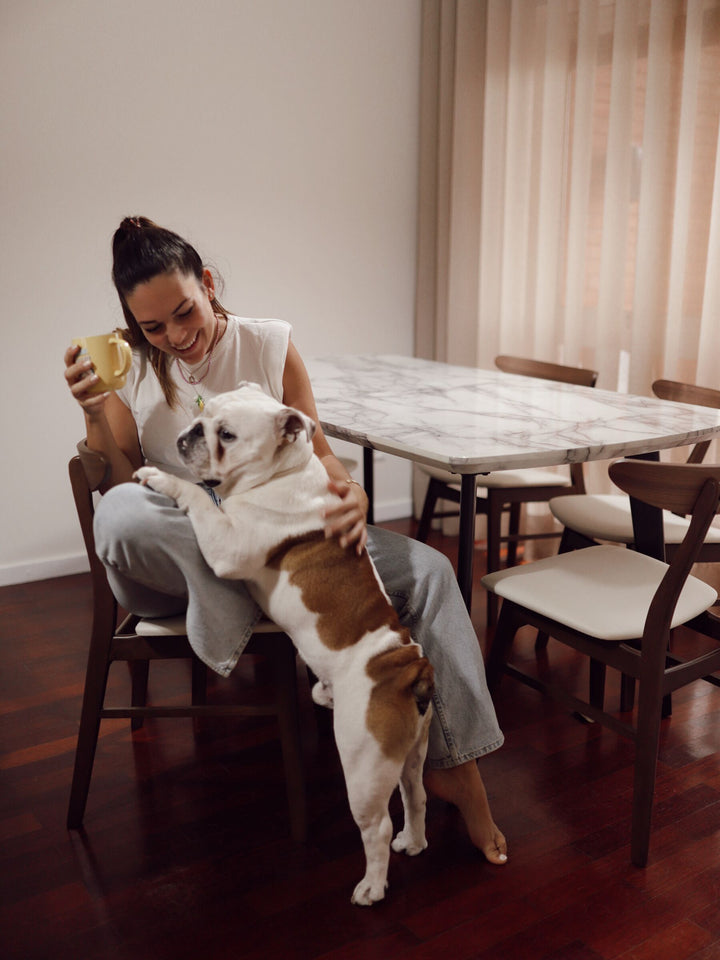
(175, 314)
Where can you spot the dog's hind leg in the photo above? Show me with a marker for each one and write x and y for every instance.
(411, 839)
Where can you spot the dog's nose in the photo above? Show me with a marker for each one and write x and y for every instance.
(187, 438)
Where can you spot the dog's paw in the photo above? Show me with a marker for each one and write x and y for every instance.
(322, 695)
(366, 893)
(405, 842)
(158, 480)
(149, 476)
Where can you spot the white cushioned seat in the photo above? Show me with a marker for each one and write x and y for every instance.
(608, 517)
(532, 477)
(162, 627)
(175, 627)
(603, 591)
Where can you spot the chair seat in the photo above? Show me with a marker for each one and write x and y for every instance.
(505, 478)
(175, 627)
(162, 627)
(602, 591)
(608, 517)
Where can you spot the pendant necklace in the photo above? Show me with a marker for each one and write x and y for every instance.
(192, 379)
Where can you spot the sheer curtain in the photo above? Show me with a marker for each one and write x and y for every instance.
(570, 186)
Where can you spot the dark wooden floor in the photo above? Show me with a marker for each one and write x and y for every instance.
(186, 853)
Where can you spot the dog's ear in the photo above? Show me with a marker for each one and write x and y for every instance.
(289, 424)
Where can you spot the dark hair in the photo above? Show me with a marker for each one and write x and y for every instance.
(143, 250)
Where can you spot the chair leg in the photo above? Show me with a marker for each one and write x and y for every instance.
(93, 698)
(513, 531)
(597, 683)
(285, 673)
(139, 674)
(428, 510)
(494, 521)
(647, 740)
(199, 682)
(501, 645)
(627, 693)
(627, 697)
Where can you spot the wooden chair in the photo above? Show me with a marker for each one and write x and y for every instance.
(589, 518)
(508, 490)
(139, 641)
(618, 607)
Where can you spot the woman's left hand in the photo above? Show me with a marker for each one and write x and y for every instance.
(347, 520)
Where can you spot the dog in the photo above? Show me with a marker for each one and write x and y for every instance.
(258, 455)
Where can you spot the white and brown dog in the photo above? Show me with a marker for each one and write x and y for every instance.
(269, 532)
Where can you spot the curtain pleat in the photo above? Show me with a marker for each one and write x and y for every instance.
(576, 322)
(681, 339)
(709, 347)
(547, 225)
(610, 329)
(492, 180)
(653, 223)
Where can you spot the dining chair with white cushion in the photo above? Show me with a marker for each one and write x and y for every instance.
(137, 641)
(618, 607)
(590, 517)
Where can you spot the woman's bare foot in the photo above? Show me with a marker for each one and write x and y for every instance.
(463, 787)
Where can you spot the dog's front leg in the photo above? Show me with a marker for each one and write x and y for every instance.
(188, 496)
(216, 532)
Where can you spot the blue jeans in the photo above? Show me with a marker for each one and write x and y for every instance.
(156, 569)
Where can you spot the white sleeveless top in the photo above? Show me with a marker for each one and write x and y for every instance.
(249, 350)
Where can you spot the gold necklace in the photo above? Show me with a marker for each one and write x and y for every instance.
(191, 379)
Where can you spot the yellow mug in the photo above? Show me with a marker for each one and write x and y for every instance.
(111, 358)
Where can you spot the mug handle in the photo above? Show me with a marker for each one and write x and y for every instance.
(125, 353)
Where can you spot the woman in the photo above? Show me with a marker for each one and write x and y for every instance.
(187, 348)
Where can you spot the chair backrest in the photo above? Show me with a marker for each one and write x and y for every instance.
(689, 393)
(88, 470)
(690, 489)
(560, 373)
(677, 487)
(547, 371)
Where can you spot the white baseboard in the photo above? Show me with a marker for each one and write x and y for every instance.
(393, 510)
(11, 574)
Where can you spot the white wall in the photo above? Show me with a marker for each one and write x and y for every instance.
(279, 136)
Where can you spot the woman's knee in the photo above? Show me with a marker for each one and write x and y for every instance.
(409, 565)
(131, 511)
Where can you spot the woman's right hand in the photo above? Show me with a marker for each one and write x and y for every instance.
(80, 377)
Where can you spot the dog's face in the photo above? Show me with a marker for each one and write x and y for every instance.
(245, 437)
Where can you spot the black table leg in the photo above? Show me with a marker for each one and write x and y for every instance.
(466, 545)
(369, 482)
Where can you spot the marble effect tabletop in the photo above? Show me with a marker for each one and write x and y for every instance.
(474, 421)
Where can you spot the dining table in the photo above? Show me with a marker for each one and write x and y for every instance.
(471, 421)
